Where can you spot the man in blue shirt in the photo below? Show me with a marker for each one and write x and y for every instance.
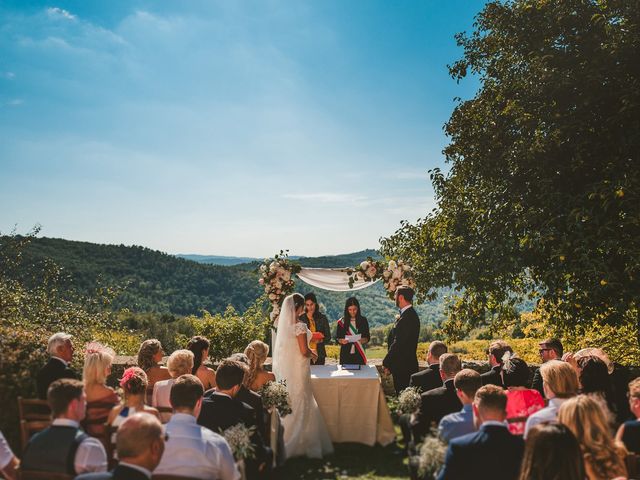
(466, 382)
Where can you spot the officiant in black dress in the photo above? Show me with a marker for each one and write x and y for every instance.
(319, 326)
(352, 323)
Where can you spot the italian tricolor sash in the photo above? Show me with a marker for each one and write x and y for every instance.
(353, 331)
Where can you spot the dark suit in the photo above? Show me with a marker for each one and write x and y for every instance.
(254, 400)
(322, 325)
(401, 357)
(491, 451)
(121, 472)
(435, 404)
(427, 379)
(536, 383)
(52, 371)
(493, 377)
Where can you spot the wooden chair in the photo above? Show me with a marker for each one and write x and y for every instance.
(170, 477)
(100, 420)
(148, 396)
(109, 443)
(165, 413)
(37, 475)
(34, 415)
(633, 465)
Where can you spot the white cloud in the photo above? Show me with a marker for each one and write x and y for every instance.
(8, 75)
(15, 102)
(328, 197)
(55, 12)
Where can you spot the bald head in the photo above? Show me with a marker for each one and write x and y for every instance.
(140, 440)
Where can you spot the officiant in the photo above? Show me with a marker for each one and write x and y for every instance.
(319, 326)
(353, 334)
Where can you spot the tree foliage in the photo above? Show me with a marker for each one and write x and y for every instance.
(542, 195)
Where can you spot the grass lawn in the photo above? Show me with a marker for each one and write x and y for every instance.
(353, 461)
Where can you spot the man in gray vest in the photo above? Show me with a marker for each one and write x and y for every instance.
(64, 447)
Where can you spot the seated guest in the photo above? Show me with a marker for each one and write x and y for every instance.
(629, 432)
(191, 450)
(200, 348)
(352, 323)
(8, 461)
(429, 378)
(256, 353)
(97, 367)
(221, 410)
(149, 357)
(440, 401)
(550, 349)
(466, 382)
(319, 326)
(140, 444)
(521, 401)
(495, 352)
(594, 380)
(63, 447)
(604, 458)
(251, 398)
(60, 349)
(560, 383)
(179, 363)
(134, 386)
(490, 452)
(552, 453)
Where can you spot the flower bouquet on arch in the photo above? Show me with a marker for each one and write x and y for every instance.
(396, 274)
(276, 276)
(369, 270)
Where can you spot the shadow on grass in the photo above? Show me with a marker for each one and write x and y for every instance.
(350, 460)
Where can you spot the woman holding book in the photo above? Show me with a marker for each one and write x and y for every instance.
(352, 334)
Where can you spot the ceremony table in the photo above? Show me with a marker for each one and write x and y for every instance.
(353, 404)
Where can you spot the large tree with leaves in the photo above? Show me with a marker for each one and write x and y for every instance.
(542, 195)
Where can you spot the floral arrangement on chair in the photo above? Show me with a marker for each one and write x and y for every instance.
(275, 395)
(276, 275)
(239, 439)
(409, 400)
(431, 455)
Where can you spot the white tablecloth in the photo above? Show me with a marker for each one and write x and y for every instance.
(353, 404)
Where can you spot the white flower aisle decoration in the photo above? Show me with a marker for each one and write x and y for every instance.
(275, 395)
(409, 400)
(431, 456)
(276, 275)
(239, 439)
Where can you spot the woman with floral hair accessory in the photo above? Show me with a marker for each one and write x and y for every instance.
(97, 367)
(134, 385)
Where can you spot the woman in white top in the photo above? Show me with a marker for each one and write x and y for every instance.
(179, 363)
(8, 461)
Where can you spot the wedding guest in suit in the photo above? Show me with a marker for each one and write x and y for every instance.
(429, 378)
(604, 458)
(256, 354)
(560, 383)
(401, 359)
(8, 461)
(199, 346)
(134, 387)
(550, 349)
(521, 400)
(248, 396)
(352, 323)
(97, 367)
(440, 401)
(140, 445)
(552, 453)
(221, 410)
(63, 447)
(179, 363)
(60, 350)
(492, 450)
(496, 352)
(629, 431)
(319, 326)
(191, 450)
(149, 356)
(454, 425)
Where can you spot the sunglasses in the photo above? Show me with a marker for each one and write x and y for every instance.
(544, 350)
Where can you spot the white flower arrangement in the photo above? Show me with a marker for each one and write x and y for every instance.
(396, 274)
(409, 400)
(276, 277)
(431, 456)
(239, 439)
(276, 395)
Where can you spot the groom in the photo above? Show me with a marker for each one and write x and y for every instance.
(401, 360)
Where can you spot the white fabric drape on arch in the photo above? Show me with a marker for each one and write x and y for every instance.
(333, 279)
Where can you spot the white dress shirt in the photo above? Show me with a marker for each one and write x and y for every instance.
(90, 456)
(196, 451)
(6, 455)
(406, 307)
(548, 414)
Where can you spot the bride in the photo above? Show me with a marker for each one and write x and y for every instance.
(305, 432)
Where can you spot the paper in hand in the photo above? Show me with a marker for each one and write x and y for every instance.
(353, 338)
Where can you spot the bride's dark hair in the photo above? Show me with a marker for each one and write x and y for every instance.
(298, 301)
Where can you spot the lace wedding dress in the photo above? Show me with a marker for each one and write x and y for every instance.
(305, 433)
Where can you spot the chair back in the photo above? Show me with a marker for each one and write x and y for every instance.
(165, 413)
(30, 427)
(633, 465)
(170, 477)
(37, 475)
(91, 419)
(34, 415)
(149, 396)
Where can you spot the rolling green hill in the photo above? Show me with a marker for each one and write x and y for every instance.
(153, 281)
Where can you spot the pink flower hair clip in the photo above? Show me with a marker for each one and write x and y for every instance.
(128, 374)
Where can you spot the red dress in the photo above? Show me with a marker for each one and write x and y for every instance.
(520, 404)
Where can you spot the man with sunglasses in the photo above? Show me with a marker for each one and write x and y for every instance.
(550, 349)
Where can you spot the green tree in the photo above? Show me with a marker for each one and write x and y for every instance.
(541, 199)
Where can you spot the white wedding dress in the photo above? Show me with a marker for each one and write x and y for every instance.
(305, 433)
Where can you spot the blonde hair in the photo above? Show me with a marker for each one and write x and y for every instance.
(634, 388)
(560, 377)
(256, 352)
(97, 359)
(147, 350)
(588, 422)
(180, 362)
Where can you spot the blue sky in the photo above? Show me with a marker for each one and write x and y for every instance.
(230, 128)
